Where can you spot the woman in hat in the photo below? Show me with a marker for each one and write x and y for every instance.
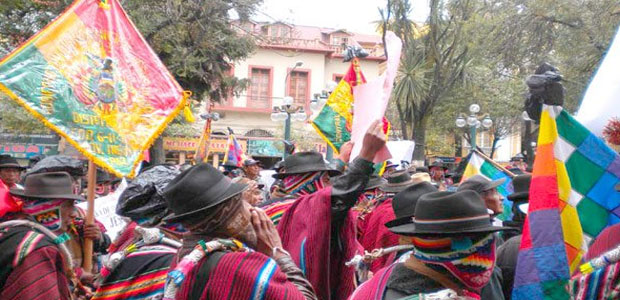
(454, 251)
(34, 256)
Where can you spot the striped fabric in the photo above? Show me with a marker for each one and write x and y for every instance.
(572, 199)
(141, 275)
(602, 284)
(241, 275)
(276, 210)
(26, 246)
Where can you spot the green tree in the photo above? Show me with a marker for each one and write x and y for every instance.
(195, 39)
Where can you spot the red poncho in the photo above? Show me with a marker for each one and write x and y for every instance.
(305, 229)
(376, 235)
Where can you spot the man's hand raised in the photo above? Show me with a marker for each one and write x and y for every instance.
(374, 140)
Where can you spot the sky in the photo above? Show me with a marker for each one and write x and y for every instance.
(354, 15)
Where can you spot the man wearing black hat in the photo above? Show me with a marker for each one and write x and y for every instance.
(401, 211)
(212, 256)
(319, 226)
(36, 258)
(77, 229)
(438, 170)
(373, 234)
(454, 251)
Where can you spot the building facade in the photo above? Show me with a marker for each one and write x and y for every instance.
(296, 61)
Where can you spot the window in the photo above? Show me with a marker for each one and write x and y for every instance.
(298, 87)
(260, 88)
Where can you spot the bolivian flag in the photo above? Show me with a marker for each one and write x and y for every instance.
(333, 123)
(92, 78)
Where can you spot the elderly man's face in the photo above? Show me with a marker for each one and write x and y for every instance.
(493, 201)
(240, 226)
(10, 176)
(252, 171)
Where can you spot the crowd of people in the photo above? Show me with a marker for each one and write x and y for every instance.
(319, 231)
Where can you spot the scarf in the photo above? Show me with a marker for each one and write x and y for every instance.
(304, 184)
(46, 212)
(469, 258)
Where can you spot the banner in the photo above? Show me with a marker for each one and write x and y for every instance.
(335, 120)
(105, 211)
(572, 199)
(92, 78)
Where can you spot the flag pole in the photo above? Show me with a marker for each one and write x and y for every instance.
(87, 257)
(512, 175)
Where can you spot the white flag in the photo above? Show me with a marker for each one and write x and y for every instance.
(602, 99)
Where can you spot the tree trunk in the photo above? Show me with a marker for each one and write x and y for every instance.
(419, 136)
(158, 155)
(403, 120)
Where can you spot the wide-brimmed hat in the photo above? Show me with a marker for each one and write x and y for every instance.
(451, 213)
(480, 184)
(305, 162)
(196, 190)
(521, 185)
(52, 185)
(397, 182)
(404, 204)
(375, 182)
(7, 161)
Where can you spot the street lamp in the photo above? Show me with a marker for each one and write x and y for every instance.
(473, 121)
(286, 112)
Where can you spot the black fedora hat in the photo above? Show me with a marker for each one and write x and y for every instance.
(197, 189)
(451, 213)
(305, 162)
(375, 182)
(404, 204)
(7, 161)
(521, 185)
(397, 182)
(52, 185)
(480, 184)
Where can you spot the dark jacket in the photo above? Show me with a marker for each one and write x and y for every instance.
(507, 262)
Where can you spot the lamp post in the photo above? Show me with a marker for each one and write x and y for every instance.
(286, 112)
(473, 121)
